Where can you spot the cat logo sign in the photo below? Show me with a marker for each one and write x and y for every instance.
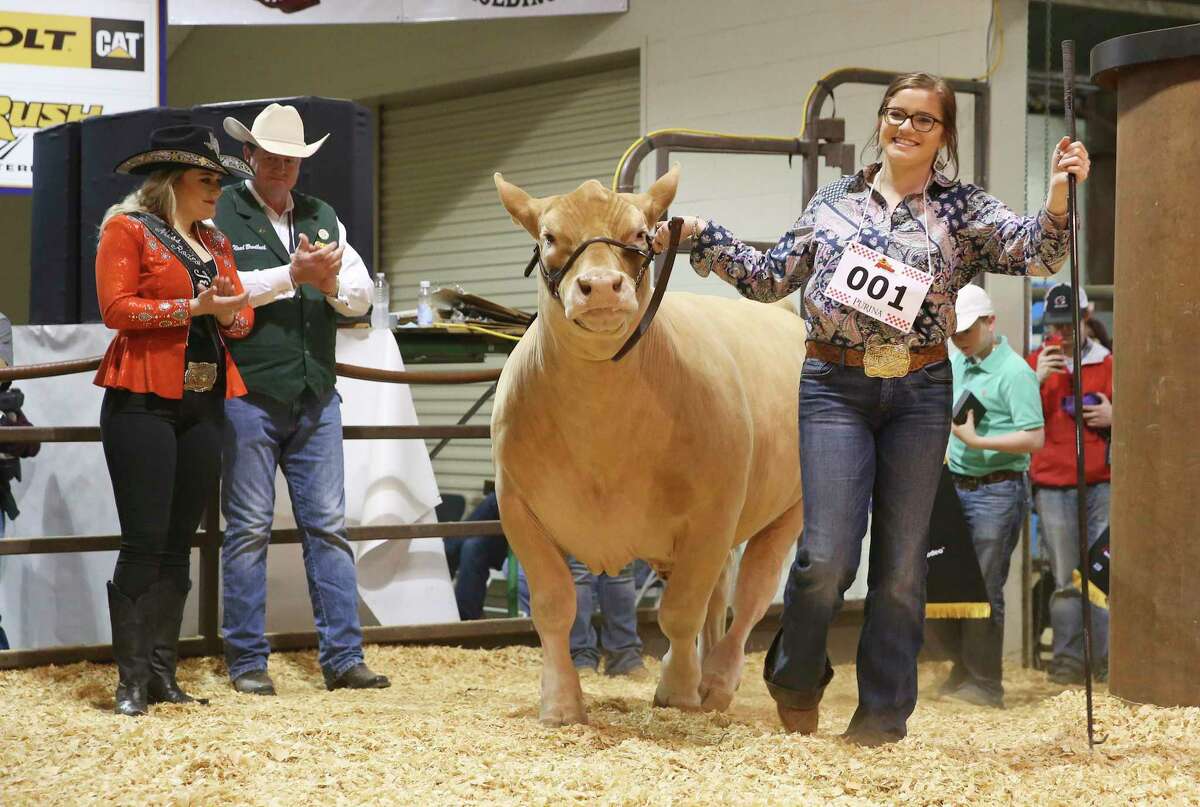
(118, 44)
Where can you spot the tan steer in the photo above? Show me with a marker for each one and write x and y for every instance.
(676, 453)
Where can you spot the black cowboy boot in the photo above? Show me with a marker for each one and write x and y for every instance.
(131, 649)
(166, 617)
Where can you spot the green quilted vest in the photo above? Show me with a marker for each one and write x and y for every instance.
(292, 345)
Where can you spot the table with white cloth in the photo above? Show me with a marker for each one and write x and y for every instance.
(60, 599)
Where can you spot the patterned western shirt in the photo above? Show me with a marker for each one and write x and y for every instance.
(971, 232)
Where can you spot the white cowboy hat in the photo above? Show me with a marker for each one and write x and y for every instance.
(277, 129)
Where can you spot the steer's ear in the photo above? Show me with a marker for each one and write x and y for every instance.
(654, 201)
(524, 209)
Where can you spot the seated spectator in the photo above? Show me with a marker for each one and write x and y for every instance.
(471, 560)
(1054, 476)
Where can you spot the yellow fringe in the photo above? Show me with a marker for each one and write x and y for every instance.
(1098, 597)
(958, 610)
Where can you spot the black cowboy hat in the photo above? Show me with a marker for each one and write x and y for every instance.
(186, 145)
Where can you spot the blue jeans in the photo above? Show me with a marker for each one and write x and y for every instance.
(303, 438)
(471, 560)
(995, 514)
(1060, 534)
(863, 439)
(617, 598)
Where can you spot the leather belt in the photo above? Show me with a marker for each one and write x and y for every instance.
(918, 357)
(976, 482)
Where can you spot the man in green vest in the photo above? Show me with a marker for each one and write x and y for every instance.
(294, 261)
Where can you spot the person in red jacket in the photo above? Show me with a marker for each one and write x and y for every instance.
(1053, 473)
(168, 285)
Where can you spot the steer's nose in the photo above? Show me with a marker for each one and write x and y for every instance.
(600, 288)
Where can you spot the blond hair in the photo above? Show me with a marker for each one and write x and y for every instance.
(156, 195)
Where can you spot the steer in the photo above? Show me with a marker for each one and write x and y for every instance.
(676, 453)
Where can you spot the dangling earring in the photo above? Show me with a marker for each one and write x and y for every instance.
(941, 162)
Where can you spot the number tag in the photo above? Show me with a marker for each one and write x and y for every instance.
(880, 287)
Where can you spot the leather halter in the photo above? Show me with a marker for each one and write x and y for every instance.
(553, 279)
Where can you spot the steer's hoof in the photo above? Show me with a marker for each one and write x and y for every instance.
(715, 699)
(667, 700)
(555, 716)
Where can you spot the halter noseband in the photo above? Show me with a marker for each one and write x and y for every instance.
(553, 279)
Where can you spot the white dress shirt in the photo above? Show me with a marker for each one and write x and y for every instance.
(353, 296)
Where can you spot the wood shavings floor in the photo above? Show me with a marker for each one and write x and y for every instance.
(460, 727)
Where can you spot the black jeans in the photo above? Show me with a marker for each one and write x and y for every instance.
(164, 457)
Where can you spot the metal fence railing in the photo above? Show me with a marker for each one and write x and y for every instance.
(208, 539)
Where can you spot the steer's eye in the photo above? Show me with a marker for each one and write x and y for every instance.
(548, 239)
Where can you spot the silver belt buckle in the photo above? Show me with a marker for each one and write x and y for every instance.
(199, 376)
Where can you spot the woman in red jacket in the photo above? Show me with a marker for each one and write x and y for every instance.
(168, 284)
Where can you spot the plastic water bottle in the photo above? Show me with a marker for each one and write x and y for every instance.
(424, 304)
(379, 306)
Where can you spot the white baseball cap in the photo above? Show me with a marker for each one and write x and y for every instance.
(973, 302)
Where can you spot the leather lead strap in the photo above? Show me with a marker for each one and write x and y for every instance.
(675, 227)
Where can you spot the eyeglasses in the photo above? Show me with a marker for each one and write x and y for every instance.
(920, 121)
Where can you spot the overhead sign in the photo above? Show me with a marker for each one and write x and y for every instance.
(333, 12)
(58, 64)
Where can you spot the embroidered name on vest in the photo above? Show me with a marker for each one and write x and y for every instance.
(244, 247)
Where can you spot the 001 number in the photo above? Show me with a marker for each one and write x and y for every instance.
(877, 288)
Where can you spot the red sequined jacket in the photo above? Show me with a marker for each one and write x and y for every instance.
(144, 292)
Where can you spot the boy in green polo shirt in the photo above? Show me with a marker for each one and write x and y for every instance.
(989, 461)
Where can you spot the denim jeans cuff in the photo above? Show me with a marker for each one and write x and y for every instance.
(626, 662)
(795, 699)
(808, 698)
(237, 670)
(346, 665)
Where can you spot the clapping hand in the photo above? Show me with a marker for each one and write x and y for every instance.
(221, 300)
(317, 266)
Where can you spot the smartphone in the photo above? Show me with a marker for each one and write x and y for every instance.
(1052, 343)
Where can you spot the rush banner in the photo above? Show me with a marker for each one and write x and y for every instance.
(333, 12)
(60, 62)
